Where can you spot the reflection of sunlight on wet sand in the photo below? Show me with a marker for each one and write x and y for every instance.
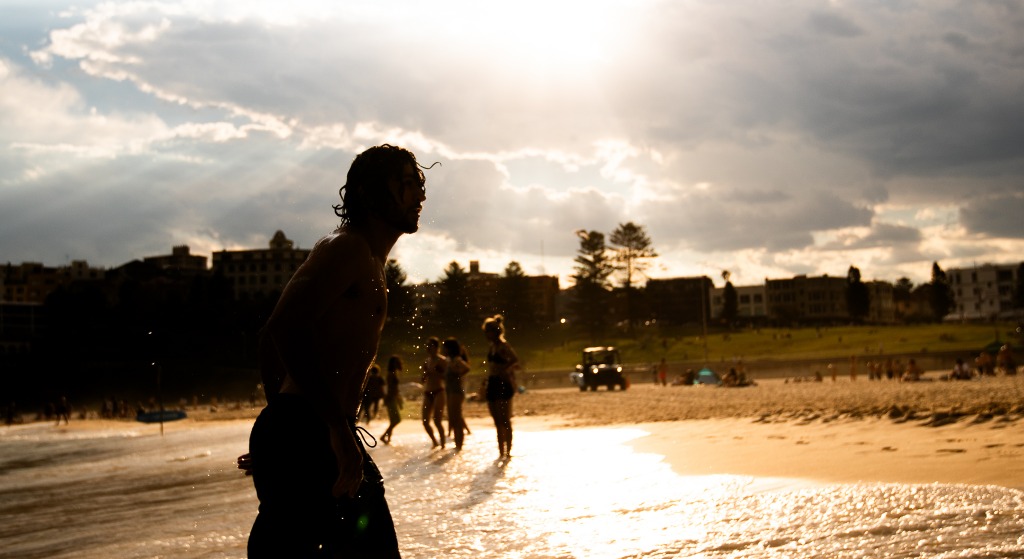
(565, 493)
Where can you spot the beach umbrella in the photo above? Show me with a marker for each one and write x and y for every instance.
(707, 376)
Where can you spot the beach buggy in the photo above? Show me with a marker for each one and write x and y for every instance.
(600, 366)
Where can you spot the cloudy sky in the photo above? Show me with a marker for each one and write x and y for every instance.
(766, 138)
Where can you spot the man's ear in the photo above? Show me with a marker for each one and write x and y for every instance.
(384, 197)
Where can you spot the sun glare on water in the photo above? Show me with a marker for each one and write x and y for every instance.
(564, 494)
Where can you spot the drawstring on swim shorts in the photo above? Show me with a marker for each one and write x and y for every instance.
(363, 433)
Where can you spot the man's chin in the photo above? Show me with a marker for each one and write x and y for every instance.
(409, 227)
(405, 224)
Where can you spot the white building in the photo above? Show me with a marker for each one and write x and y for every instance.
(751, 302)
(983, 292)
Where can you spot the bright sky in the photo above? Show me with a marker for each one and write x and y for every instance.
(766, 138)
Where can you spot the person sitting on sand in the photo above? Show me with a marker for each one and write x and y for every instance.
(913, 372)
(984, 364)
(1005, 360)
(960, 371)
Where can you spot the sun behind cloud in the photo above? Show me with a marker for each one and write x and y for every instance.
(541, 37)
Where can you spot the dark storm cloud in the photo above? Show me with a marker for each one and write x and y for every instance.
(773, 220)
(903, 239)
(888, 235)
(995, 216)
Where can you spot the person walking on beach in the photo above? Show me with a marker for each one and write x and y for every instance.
(63, 410)
(392, 398)
(320, 493)
(432, 378)
(501, 381)
(663, 372)
(455, 369)
(373, 393)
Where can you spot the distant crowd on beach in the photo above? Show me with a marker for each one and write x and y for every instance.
(984, 365)
(59, 409)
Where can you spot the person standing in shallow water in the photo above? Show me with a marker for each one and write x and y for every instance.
(392, 398)
(433, 390)
(320, 493)
(373, 393)
(501, 381)
(455, 390)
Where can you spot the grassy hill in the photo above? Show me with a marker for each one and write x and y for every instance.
(557, 347)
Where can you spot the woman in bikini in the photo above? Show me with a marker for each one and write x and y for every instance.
(433, 390)
(501, 381)
(455, 391)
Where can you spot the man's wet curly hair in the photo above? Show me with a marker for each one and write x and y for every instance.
(365, 185)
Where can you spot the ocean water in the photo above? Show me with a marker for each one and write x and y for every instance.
(569, 493)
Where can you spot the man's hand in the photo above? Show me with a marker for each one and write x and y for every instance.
(245, 463)
(350, 462)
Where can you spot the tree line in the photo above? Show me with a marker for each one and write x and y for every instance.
(99, 333)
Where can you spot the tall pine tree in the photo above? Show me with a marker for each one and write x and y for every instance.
(591, 272)
(401, 303)
(455, 307)
(941, 295)
(858, 299)
(631, 250)
(730, 300)
(514, 297)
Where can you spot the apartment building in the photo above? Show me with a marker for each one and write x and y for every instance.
(259, 273)
(180, 259)
(807, 299)
(684, 300)
(983, 292)
(751, 302)
(32, 282)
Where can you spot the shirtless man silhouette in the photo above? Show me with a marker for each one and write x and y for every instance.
(320, 493)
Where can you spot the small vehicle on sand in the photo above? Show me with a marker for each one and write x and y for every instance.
(600, 366)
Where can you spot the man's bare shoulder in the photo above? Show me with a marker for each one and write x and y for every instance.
(338, 247)
(342, 242)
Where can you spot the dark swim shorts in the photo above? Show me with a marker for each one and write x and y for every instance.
(294, 470)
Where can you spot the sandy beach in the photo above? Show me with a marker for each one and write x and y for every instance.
(843, 431)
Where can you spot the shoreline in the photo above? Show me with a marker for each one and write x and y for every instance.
(842, 432)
